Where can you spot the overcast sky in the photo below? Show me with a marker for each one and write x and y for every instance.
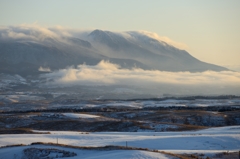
(209, 28)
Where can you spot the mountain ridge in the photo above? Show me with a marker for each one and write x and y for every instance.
(127, 49)
(162, 52)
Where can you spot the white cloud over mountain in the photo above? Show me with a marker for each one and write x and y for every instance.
(153, 35)
(39, 33)
(27, 31)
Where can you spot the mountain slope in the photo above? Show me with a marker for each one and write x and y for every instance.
(156, 54)
(24, 50)
(26, 57)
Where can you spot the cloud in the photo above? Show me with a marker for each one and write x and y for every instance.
(70, 32)
(43, 69)
(165, 39)
(27, 31)
(108, 74)
(40, 33)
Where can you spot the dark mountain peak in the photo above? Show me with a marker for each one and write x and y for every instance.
(97, 33)
(113, 40)
(99, 36)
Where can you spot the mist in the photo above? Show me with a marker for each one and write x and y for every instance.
(151, 81)
(150, 53)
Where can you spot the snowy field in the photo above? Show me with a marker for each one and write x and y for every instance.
(17, 153)
(208, 141)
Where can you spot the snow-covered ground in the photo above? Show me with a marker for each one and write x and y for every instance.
(35, 98)
(222, 138)
(209, 142)
(11, 80)
(17, 152)
(174, 102)
(158, 103)
(77, 115)
(19, 98)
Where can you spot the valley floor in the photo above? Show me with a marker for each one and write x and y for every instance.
(207, 142)
(188, 128)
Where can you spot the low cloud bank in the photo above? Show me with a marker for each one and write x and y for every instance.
(43, 69)
(108, 74)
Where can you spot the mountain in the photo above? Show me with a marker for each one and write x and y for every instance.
(26, 57)
(152, 52)
(28, 50)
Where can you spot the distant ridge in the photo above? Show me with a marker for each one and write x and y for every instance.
(25, 54)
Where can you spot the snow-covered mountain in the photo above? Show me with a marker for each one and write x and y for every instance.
(25, 50)
(152, 52)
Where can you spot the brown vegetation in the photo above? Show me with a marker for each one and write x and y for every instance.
(20, 131)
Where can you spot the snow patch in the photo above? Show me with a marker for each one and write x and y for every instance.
(75, 115)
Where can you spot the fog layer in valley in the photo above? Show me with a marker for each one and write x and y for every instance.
(109, 74)
(136, 61)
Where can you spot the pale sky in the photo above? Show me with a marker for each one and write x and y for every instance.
(210, 28)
